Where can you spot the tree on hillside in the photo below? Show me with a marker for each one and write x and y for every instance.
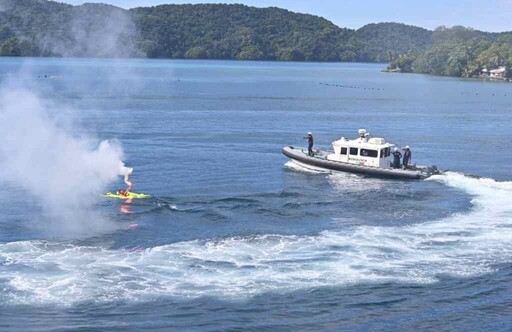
(404, 62)
(16, 47)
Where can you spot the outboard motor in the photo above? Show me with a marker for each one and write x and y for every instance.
(432, 170)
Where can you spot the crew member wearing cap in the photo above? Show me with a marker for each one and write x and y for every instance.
(407, 156)
(310, 144)
(396, 158)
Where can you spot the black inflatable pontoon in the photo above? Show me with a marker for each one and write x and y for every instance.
(320, 161)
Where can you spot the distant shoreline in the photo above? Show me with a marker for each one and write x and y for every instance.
(185, 59)
(504, 80)
(384, 70)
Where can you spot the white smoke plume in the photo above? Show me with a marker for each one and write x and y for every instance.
(98, 30)
(88, 30)
(64, 172)
(40, 151)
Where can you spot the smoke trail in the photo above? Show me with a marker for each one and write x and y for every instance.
(88, 30)
(64, 172)
(40, 152)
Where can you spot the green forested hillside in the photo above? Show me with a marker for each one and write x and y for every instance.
(237, 32)
(459, 51)
(47, 28)
(208, 31)
(220, 31)
(383, 42)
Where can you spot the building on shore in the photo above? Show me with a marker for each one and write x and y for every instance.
(499, 73)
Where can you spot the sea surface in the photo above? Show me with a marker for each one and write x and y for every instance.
(236, 237)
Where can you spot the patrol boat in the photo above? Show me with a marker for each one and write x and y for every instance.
(364, 155)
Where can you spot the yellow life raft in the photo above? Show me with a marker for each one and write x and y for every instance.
(130, 195)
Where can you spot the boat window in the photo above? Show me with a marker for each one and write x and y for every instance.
(369, 153)
(343, 151)
(353, 151)
(382, 153)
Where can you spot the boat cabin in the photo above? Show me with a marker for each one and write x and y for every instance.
(363, 151)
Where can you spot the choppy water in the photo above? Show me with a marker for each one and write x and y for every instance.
(238, 239)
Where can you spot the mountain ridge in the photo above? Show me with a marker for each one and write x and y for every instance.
(228, 31)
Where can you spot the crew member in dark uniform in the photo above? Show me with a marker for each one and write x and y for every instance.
(407, 156)
(310, 144)
(396, 158)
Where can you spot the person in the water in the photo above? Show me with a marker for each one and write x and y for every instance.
(310, 144)
(396, 158)
(407, 156)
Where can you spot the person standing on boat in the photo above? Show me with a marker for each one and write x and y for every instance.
(310, 144)
(396, 158)
(407, 156)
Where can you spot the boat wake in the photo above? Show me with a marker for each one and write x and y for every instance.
(461, 245)
(300, 167)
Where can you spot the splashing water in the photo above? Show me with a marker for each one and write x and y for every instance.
(297, 166)
(461, 245)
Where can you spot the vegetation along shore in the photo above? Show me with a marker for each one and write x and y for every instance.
(220, 31)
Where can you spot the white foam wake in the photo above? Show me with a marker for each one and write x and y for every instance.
(300, 167)
(341, 180)
(461, 245)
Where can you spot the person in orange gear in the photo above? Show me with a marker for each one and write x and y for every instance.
(122, 192)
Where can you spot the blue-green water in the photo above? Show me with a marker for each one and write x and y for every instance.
(237, 239)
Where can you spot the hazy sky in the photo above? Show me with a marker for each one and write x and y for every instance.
(488, 15)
